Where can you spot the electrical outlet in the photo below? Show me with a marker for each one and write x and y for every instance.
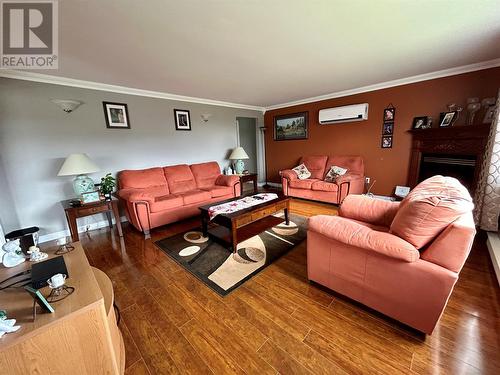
(367, 180)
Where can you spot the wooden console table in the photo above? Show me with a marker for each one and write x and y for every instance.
(107, 207)
(80, 337)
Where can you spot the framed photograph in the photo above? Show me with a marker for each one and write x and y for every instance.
(420, 122)
(90, 197)
(488, 116)
(289, 127)
(40, 299)
(387, 141)
(447, 118)
(182, 119)
(389, 114)
(116, 115)
(388, 128)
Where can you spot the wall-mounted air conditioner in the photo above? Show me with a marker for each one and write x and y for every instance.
(348, 113)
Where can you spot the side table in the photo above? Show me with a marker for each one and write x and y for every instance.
(107, 207)
(247, 178)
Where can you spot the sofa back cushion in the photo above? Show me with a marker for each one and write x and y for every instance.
(353, 164)
(205, 174)
(142, 178)
(179, 178)
(315, 164)
(429, 208)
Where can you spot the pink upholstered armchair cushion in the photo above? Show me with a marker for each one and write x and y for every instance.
(429, 208)
(179, 178)
(356, 234)
(205, 174)
(315, 165)
(140, 179)
(370, 210)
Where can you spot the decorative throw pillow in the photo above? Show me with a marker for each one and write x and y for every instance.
(334, 173)
(302, 172)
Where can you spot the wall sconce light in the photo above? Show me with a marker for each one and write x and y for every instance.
(67, 106)
(205, 116)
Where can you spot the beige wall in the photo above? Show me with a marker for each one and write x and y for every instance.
(36, 136)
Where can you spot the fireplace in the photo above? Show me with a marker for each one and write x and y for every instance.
(455, 151)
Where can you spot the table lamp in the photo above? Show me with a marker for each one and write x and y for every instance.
(238, 154)
(79, 165)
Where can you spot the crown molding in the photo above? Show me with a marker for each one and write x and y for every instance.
(397, 82)
(63, 81)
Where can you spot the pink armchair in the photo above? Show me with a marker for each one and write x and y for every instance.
(402, 259)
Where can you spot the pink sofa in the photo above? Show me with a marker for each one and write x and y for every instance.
(157, 196)
(315, 188)
(402, 259)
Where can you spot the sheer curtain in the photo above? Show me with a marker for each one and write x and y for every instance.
(488, 191)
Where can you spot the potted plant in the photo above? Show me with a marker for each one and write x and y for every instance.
(108, 183)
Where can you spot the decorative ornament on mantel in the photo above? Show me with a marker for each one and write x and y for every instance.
(67, 105)
(473, 106)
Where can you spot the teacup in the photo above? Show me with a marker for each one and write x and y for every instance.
(56, 281)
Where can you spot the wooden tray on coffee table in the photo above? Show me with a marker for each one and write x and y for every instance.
(233, 228)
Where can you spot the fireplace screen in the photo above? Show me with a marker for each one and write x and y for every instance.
(459, 166)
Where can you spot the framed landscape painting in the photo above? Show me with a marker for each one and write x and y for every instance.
(293, 126)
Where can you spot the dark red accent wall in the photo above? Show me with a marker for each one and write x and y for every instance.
(389, 167)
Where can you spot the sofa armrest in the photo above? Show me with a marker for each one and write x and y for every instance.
(288, 174)
(358, 235)
(135, 195)
(369, 210)
(225, 180)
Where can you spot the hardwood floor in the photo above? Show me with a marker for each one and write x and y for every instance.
(277, 322)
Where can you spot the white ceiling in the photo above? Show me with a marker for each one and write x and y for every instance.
(265, 53)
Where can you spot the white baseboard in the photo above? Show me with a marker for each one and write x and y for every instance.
(493, 244)
(81, 229)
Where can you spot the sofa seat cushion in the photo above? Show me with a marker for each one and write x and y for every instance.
(195, 196)
(325, 186)
(303, 184)
(316, 165)
(141, 179)
(219, 191)
(179, 178)
(429, 208)
(166, 202)
(205, 174)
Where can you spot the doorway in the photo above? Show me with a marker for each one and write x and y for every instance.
(250, 137)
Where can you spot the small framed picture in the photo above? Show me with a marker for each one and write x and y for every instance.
(488, 116)
(388, 128)
(90, 197)
(389, 114)
(116, 115)
(420, 122)
(447, 118)
(387, 141)
(182, 119)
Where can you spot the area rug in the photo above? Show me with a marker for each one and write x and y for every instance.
(220, 269)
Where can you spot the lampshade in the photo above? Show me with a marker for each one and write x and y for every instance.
(238, 154)
(76, 164)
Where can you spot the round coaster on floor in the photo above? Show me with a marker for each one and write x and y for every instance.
(195, 237)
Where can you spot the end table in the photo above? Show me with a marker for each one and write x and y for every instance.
(107, 207)
(247, 178)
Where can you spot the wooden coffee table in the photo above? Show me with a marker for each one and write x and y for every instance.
(241, 225)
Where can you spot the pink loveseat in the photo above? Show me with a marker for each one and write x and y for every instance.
(402, 259)
(157, 196)
(315, 188)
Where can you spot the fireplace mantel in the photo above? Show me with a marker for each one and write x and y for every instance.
(459, 140)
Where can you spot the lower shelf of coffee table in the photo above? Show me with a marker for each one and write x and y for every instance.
(247, 231)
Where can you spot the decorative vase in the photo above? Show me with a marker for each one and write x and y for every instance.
(239, 166)
(83, 184)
